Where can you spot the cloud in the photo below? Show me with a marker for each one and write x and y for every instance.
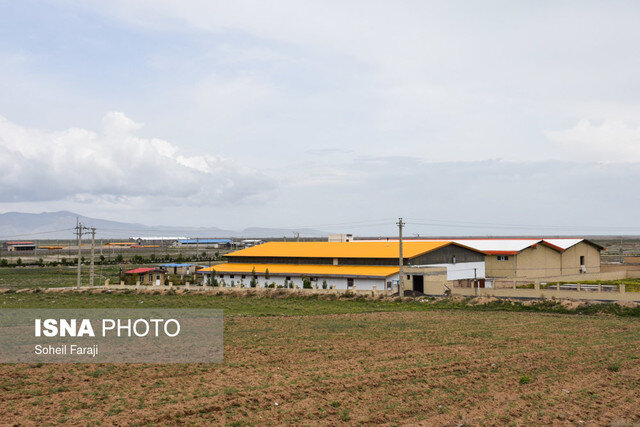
(610, 141)
(79, 164)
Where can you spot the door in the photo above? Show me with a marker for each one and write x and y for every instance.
(157, 280)
(418, 283)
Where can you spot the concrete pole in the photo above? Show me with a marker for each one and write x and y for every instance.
(79, 233)
(400, 260)
(92, 268)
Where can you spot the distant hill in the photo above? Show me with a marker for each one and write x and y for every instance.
(59, 225)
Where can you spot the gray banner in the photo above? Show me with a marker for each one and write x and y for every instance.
(111, 336)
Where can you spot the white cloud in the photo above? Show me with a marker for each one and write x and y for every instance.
(609, 141)
(78, 164)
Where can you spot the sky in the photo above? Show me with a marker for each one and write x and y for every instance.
(493, 117)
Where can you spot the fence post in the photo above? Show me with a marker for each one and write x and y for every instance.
(578, 287)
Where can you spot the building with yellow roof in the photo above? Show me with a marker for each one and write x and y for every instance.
(347, 265)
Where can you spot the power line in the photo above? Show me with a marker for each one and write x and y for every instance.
(35, 233)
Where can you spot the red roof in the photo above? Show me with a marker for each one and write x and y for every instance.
(501, 252)
(19, 243)
(142, 270)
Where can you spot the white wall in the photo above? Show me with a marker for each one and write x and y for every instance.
(461, 270)
(336, 282)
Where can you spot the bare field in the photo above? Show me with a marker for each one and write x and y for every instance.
(432, 367)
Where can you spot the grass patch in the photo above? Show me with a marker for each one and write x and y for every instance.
(289, 305)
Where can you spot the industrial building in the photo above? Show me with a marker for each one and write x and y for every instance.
(350, 265)
(205, 243)
(20, 246)
(537, 258)
(508, 258)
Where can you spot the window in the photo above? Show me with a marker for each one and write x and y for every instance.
(151, 277)
(349, 283)
(453, 259)
(288, 278)
(408, 277)
(581, 259)
(503, 257)
(231, 276)
(314, 279)
(243, 276)
(388, 285)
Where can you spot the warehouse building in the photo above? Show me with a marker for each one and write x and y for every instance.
(537, 258)
(350, 265)
(20, 246)
(205, 243)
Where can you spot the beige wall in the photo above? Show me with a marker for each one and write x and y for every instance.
(144, 278)
(495, 268)
(542, 262)
(435, 279)
(537, 261)
(549, 293)
(571, 259)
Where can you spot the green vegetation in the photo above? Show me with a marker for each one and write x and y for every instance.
(281, 303)
(525, 379)
(47, 277)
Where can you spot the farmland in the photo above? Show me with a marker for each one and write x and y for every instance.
(310, 361)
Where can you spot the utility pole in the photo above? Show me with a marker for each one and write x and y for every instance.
(92, 268)
(400, 224)
(79, 233)
(621, 252)
(475, 280)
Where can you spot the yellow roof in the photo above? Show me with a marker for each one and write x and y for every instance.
(307, 270)
(381, 249)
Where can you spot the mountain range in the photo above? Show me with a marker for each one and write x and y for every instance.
(60, 225)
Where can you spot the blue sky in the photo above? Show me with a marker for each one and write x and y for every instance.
(237, 114)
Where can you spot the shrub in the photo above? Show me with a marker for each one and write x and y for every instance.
(306, 282)
(525, 379)
(19, 261)
(613, 367)
(4, 262)
(324, 284)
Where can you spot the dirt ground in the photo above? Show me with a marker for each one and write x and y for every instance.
(438, 367)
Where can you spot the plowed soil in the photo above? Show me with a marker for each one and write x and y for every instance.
(437, 367)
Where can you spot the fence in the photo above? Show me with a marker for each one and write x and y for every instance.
(596, 292)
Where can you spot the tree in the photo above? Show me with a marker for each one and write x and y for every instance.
(266, 274)
(306, 282)
(254, 281)
(324, 284)
(19, 261)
